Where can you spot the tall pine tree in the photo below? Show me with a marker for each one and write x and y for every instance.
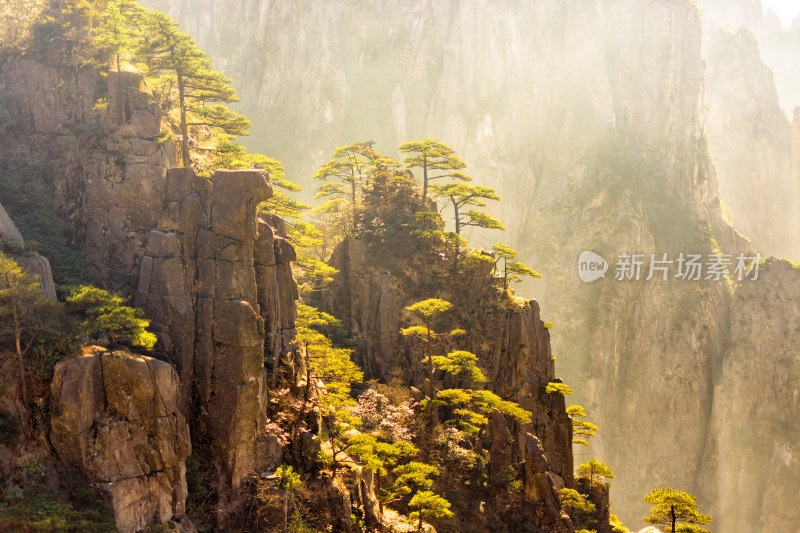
(168, 52)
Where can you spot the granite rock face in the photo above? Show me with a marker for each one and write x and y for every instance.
(216, 282)
(750, 137)
(508, 336)
(116, 418)
(750, 462)
(214, 279)
(111, 189)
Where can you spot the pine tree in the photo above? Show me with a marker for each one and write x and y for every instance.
(168, 52)
(429, 505)
(349, 169)
(512, 269)
(580, 428)
(107, 316)
(472, 409)
(462, 195)
(594, 471)
(433, 156)
(23, 306)
(288, 481)
(672, 506)
(462, 365)
(428, 310)
(573, 502)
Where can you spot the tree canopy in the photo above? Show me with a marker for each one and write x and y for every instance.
(172, 57)
(432, 155)
(672, 506)
(594, 471)
(106, 316)
(513, 270)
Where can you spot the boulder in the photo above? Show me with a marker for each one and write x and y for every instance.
(115, 417)
(8, 230)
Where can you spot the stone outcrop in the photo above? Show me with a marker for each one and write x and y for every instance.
(116, 418)
(216, 281)
(110, 190)
(750, 463)
(750, 137)
(507, 334)
(8, 230)
(598, 494)
(541, 492)
(31, 262)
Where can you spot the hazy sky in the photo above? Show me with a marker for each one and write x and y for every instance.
(785, 9)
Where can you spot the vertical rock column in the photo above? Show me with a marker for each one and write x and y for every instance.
(277, 291)
(229, 350)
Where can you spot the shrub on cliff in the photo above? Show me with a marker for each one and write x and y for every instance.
(107, 320)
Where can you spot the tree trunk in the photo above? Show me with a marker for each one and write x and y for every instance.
(672, 512)
(184, 127)
(430, 360)
(457, 217)
(21, 363)
(424, 178)
(120, 104)
(285, 511)
(505, 274)
(355, 212)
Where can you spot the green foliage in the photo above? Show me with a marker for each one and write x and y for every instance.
(17, 17)
(472, 408)
(348, 169)
(29, 200)
(616, 525)
(198, 475)
(462, 364)
(671, 506)
(573, 502)
(513, 270)
(581, 429)
(115, 34)
(558, 388)
(175, 63)
(433, 156)
(33, 505)
(105, 315)
(462, 195)
(594, 471)
(429, 308)
(288, 479)
(429, 505)
(323, 360)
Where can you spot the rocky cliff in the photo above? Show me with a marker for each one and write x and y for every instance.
(588, 118)
(750, 137)
(214, 279)
(102, 172)
(506, 333)
(750, 463)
